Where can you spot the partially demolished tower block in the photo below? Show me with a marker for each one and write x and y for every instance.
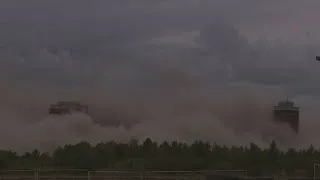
(287, 112)
(67, 107)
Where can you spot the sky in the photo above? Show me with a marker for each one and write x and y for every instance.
(178, 70)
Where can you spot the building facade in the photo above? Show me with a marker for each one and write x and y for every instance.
(287, 112)
(67, 107)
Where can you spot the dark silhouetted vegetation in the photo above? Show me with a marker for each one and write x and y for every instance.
(167, 156)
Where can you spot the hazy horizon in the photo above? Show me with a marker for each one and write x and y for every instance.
(185, 70)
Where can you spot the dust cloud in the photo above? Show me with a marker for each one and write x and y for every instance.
(208, 89)
(233, 115)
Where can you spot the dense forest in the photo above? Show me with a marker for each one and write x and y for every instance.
(150, 155)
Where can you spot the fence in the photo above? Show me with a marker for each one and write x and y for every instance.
(83, 174)
(28, 174)
(65, 174)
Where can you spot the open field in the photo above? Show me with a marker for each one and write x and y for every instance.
(79, 174)
(139, 176)
(106, 177)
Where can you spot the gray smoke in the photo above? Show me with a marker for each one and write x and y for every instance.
(233, 115)
(146, 70)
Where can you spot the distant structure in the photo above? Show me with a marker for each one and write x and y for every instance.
(67, 107)
(287, 112)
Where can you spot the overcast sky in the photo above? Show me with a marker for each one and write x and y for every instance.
(60, 39)
(148, 45)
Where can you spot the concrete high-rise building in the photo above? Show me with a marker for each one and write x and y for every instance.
(67, 107)
(287, 112)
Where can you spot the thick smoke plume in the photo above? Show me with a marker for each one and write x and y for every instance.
(234, 115)
(148, 70)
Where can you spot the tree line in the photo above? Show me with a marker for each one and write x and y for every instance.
(150, 155)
